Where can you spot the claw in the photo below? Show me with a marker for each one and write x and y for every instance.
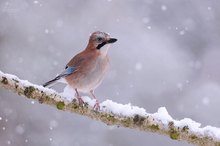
(96, 106)
(81, 102)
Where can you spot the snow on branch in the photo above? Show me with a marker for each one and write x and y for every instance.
(113, 113)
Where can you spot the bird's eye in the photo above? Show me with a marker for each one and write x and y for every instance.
(99, 39)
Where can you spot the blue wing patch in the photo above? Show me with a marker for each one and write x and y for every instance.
(68, 70)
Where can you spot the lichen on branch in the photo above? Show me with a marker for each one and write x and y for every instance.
(113, 113)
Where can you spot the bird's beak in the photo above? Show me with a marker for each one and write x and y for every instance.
(111, 40)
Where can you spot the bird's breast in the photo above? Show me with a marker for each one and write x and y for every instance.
(90, 76)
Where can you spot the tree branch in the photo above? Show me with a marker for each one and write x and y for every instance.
(113, 113)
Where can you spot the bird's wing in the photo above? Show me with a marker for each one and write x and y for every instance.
(77, 60)
(68, 70)
(76, 63)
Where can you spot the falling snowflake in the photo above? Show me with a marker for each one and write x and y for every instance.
(145, 20)
(46, 31)
(180, 86)
(9, 142)
(163, 8)
(148, 27)
(20, 129)
(182, 32)
(36, 2)
(53, 124)
(59, 23)
(138, 66)
(205, 100)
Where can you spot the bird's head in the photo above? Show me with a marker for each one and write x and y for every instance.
(101, 41)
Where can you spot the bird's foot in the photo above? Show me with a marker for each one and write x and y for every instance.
(81, 102)
(96, 106)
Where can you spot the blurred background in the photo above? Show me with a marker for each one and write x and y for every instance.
(167, 54)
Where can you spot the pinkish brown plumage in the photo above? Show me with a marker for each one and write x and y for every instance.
(86, 70)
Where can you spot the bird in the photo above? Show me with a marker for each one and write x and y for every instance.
(86, 70)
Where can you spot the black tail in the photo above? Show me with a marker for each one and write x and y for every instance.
(66, 72)
(51, 82)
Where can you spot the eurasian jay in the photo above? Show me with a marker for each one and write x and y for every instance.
(85, 71)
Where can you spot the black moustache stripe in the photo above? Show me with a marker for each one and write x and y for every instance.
(101, 45)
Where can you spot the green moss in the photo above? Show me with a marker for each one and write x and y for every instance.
(28, 91)
(193, 137)
(75, 106)
(111, 118)
(47, 97)
(174, 135)
(185, 129)
(60, 105)
(127, 122)
(44, 98)
(4, 80)
(154, 127)
(138, 120)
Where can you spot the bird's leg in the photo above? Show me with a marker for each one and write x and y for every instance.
(96, 106)
(81, 102)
